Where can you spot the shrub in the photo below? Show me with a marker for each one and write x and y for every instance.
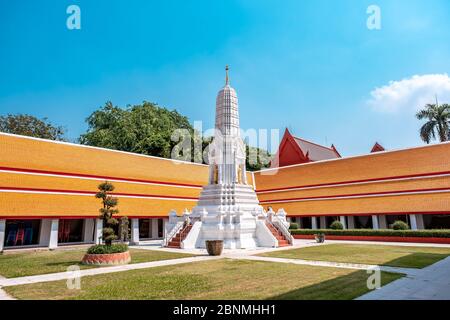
(400, 225)
(293, 226)
(107, 249)
(337, 225)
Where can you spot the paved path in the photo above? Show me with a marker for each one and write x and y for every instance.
(96, 271)
(430, 283)
(156, 246)
(5, 296)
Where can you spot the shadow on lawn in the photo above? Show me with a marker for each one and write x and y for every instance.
(64, 264)
(346, 287)
(416, 260)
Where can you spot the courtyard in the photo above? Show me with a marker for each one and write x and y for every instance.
(306, 271)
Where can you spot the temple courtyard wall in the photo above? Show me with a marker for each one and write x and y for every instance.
(47, 191)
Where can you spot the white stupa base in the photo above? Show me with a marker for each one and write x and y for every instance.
(235, 236)
(228, 213)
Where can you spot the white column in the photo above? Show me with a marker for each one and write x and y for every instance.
(219, 174)
(342, 219)
(53, 239)
(98, 231)
(300, 222)
(382, 221)
(375, 224)
(351, 222)
(89, 226)
(313, 222)
(44, 232)
(211, 174)
(420, 222)
(134, 231)
(164, 227)
(323, 222)
(244, 174)
(2, 233)
(414, 222)
(154, 226)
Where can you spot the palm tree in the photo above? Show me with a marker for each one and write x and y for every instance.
(438, 123)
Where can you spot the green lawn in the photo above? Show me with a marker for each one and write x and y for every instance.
(395, 256)
(216, 279)
(33, 263)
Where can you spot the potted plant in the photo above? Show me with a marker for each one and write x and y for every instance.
(214, 247)
(320, 237)
(108, 253)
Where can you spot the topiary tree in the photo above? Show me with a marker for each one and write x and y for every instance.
(337, 225)
(400, 225)
(107, 212)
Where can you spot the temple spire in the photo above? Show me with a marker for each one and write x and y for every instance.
(226, 75)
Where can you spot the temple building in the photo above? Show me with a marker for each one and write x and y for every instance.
(294, 150)
(228, 208)
(377, 148)
(47, 189)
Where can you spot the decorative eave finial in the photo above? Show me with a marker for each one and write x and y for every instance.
(226, 75)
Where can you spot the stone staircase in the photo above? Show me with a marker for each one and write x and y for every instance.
(282, 241)
(175, 242)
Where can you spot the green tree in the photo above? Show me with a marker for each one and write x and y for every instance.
(144, 129)
(257, 158)
(437, 125)
(107, 211)
(27, 125)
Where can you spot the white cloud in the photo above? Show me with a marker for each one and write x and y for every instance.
(411, 93)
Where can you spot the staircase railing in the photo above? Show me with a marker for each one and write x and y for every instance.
(169, 236)
(184, 232)
(280, 226)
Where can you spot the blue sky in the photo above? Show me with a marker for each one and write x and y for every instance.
(311, 66)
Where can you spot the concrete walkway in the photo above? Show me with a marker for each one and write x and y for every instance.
(155, 245)
(7, 282)
(430, 283)
(5, 296)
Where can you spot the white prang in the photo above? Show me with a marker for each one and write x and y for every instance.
(228, 208)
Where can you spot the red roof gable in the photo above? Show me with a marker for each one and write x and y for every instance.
(377, 148)
(294, 150)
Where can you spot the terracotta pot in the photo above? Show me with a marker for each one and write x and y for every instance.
(107, 259)
(214, 247)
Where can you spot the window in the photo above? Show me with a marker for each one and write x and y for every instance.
(145, 229)
(70, 230)
(22, 232)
